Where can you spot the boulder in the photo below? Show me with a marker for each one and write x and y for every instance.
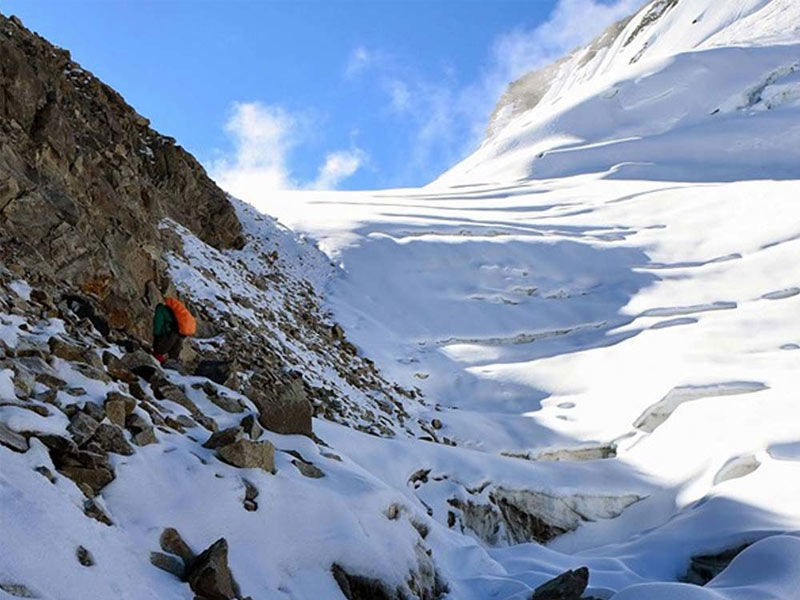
(145, 437)
(282, 407)
(224, 437)
(208, 574)
(82, 427)
(141, 364)
(110, 438)
(116, 409)
(73, 352)
(218, 371)
(247, 454)
(89, 470)
(13, 440)
(567, 586)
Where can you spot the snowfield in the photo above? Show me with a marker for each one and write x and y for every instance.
(608, 285)
(601, 308)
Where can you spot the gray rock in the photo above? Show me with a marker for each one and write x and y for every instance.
(247, 454)
(224, 437)
(111, 439)
(84, 556)
(90, 471)
(82, 427)
(13, 440)
(282, 407)
(167, 563)
(567, 586)
(94, 511)
(73, 352)
(209, 576)
(145, 437)
(251, 427)
(141, 364)
(308, 469)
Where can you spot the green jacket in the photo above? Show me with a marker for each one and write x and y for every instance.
(164, 322)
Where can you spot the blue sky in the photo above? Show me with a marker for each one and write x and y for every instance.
(317, 94)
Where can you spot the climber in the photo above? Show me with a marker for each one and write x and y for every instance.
(172, 322)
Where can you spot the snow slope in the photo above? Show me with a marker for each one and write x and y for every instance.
(613, 272)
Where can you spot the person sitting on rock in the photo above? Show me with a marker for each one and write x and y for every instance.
(172, 322)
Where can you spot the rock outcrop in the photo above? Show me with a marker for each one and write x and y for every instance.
(85, 182)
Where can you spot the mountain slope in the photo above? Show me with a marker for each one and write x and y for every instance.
(595, 360)
(671, 94)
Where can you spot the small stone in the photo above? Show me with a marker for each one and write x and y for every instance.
(13, 440)
(44, 471)
(251, 427)
(51, 381)
(250, 495)
(393, 512)
(117, 369)
(84, 556)
(247, 454)
(308, 469)
(172, 542)
(436, 424)
(167, 563)
(93, 510)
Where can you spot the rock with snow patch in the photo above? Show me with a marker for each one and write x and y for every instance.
(570, 585)
(247, 454)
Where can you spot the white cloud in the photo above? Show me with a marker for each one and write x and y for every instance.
(399, 94)
(263, 137)
(449, 119)
(359, 60)
(572, 23)
(337, 167)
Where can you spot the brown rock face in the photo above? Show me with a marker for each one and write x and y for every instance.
(84, 182)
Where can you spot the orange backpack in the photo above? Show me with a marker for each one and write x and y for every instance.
(186, 323)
